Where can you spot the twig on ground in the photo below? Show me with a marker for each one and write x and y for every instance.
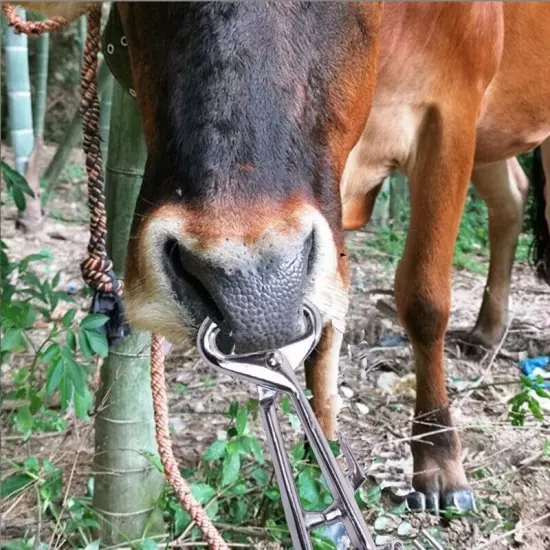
(512, 532)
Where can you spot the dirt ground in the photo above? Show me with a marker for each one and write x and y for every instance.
(506, 465)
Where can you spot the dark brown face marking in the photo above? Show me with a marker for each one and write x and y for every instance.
(249, 111)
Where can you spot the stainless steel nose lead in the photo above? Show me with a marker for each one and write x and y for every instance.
(273, 372)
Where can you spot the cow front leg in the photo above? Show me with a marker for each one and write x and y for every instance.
(438, 185)
(322, 380)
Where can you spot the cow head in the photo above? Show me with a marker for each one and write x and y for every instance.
(249, 110)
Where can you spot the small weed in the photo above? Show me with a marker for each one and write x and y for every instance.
(526, 401)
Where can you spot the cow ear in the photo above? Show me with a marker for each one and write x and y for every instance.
(68, 10)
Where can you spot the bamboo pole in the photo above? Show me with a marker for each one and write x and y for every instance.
(26, 148)
(19, 96)
(42, 55)
(72, 137)
(399, 193)
(106, 98)
(380, 212)
(82, 29)
(127, 485)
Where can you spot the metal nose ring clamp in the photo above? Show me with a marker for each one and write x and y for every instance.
(273, 372)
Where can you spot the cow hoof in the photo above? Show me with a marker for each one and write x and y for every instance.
(476, 343)
(460, 499)
(423, 502)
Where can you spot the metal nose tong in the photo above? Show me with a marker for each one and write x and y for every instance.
(273, 372)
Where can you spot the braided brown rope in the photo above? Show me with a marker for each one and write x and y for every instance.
(32, 27)
(96, 269)
(196, 511)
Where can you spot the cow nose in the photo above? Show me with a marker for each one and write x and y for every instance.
(255, 292)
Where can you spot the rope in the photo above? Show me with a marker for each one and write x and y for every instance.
(97, 268)
(197, 513)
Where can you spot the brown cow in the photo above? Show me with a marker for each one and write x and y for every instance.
(250, 112)
(460, 86)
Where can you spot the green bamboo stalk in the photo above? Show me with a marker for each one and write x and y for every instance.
(72, 137)
(380, 212)
(399, 193)
(82, 30)
(127, 485)
(105, 116)
(19, 96)
(42, 54)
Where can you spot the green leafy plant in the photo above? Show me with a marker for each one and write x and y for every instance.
(16, 185)
(57, 353)
(526, 401)
(236, 485)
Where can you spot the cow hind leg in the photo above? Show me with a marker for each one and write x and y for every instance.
(541, 211)
(438, 185)
(504, 187)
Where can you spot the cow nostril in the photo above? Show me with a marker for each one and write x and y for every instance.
(310, 244)
(187, 288)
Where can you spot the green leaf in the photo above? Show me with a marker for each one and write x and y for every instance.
(83, 404)
(68, 318)
(19, 198)
(298, 451)
(94, 545)
(54, 375)
(14, 484)
(84, 345)
(181, 521)
(202, 492)
(215, 451)
(230, 469)
(334, 447)
(294, 422)
(77, 376)
(285, 405)
(307, 489)
(233, 409)
(240, 510)
(239, 489)
(56, 279)
(273, 494)
(256, 449)
(39, 256)
(97, 342)
(32, 464)
(154, 460)
(24, 421)
(260, 476)
(534, 407)
(14, 180)
(235, 447)
(93, 320)
(51, 352)
(546, 448)
(241, 422)
(71, 341)
(65, 392)
(14, 340)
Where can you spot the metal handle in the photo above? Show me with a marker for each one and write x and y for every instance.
(273, 371)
